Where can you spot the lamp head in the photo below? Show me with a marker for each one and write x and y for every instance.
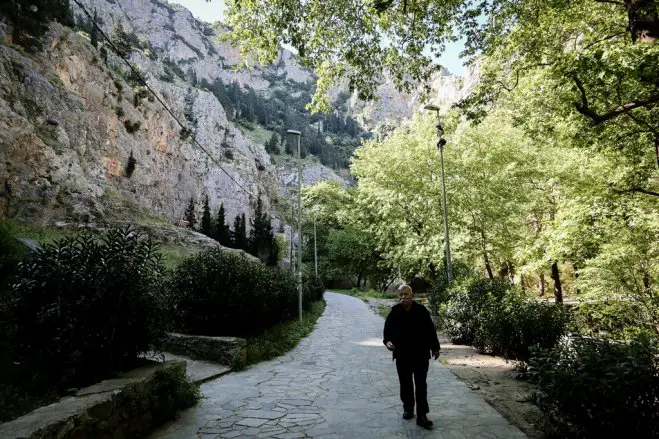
(432, 107)
(293, 132)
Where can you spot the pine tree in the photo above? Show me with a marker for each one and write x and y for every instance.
(271, 145)
(222, 231)
(94, 31)
(29, 18)
(190, 216)
(120, 40)
(206, 224)
(273, 255)
(239, 235)
(261, 237)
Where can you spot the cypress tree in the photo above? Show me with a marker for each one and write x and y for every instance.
(120, 40)
(222, 231)
(261, 238)
(94, 31)
(239, 235)
(190, 216)
(206, 224)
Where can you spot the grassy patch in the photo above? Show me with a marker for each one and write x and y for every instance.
(254, 131)
(173, 255)
(383, 310)
(283, 337)
(41, 234)
(369, 294)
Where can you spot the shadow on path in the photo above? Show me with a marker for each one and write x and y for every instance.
(339, 382)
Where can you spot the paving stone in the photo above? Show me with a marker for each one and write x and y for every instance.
(262, 414)
(339, 382)
(252, 422)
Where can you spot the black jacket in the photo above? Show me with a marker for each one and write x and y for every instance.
(412, 332)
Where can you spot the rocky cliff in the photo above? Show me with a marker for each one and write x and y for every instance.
(80, 138)
(392, 106)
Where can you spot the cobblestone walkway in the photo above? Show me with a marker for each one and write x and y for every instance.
(339, 382)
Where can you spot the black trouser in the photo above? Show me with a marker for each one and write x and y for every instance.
(417, 369)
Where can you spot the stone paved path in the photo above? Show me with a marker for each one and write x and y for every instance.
(339, 382)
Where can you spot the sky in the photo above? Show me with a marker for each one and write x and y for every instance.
(213, 11)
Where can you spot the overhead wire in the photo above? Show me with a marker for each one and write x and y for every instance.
(141, 78)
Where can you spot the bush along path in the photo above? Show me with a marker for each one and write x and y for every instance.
(339, 382)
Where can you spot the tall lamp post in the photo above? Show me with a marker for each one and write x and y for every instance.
(299, 220)
(315, 248)
(440, 145)
(290, 256)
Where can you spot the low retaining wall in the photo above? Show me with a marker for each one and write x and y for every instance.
(125, 407)
(229, 351)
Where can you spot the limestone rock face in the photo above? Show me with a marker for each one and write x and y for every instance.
(70, 121)
(71, 118)
(393, 106)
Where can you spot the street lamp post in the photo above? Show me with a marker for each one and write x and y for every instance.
(290, 255)
(315, 248)
(299, 220)
(440, 145)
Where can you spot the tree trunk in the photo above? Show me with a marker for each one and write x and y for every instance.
(643, 20)
(522, 282)
(488, 267)
(359, 280)
(556, 277)
(511, 271)
(542, 284)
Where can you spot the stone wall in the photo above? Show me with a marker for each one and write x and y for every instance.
(125, 407)
(230, 351)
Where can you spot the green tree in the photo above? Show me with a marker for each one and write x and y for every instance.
(190, 215)
(349, 45)
(222, 231)
(351, 251)
(206, 221)
(30, 18)
(121, 40)
(239, 235)
(94, 30)
(261, 238)
(272, 145)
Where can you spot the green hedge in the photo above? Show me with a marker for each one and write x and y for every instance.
(596, 387)
(81, 309)
(223, 293)
(497, 318)
(469, 299)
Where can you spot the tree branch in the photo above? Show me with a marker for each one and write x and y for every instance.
(612, 2)
(644, 191)
(596, 119)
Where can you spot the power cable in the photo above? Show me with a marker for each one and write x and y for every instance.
(138, 75)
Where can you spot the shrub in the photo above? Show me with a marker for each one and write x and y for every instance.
(611, 316)
(596, 387)
(132, 127)
(80, 310)
(11, 254)
(497, 318)
(314, 287)
(513, 324)
(223, 293)
(469, 298)
(130, 166)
